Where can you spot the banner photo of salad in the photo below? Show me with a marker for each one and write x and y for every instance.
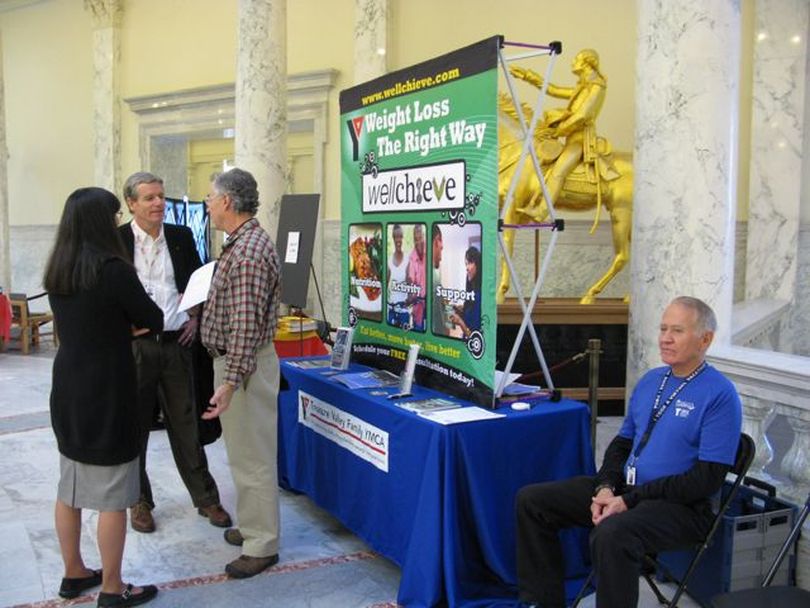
(365, 270)
(419, 217)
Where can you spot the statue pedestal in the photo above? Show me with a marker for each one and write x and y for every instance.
(564, 326)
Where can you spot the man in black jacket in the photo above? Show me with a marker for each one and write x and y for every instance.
(677, 442)
(165, 256)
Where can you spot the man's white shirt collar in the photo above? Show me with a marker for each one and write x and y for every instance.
(141, 235)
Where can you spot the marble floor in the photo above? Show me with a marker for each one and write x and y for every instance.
(322, 564)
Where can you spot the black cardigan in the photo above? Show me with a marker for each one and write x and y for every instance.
(93, 395)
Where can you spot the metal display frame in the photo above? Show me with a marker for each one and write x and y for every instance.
(553, 50)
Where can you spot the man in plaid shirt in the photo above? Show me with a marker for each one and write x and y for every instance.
(238, 324)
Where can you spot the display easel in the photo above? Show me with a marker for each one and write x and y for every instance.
(555, 225)
(298, 220)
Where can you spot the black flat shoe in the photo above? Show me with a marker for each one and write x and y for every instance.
(127, 598)
(73, 587)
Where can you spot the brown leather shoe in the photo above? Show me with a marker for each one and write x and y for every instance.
(140, 517)
(246, 566)
(216, 515)
(234, 537)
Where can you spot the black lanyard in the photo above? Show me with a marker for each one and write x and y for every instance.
(659, 408)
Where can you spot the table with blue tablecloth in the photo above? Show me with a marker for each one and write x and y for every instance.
(437, 500)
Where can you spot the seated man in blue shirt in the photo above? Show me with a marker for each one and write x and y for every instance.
(654, 490)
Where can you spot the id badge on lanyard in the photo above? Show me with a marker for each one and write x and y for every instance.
(630, 477)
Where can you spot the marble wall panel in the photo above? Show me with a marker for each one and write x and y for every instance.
(30, 248)
(332, 273)
(169, 160)
(577, 262)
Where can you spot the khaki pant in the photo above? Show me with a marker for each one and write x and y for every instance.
(249, 427)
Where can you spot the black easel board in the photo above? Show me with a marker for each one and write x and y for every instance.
(297, 223)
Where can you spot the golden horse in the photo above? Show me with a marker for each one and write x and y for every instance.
(607, 182)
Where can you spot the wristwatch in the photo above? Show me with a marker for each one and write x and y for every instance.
(602, 486)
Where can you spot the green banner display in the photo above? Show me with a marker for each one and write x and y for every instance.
(419, 215)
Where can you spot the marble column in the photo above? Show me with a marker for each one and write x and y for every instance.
(5, 225)
(261, 102)
(687, 89)
(370, 39)
(780, 50)
(106, 104)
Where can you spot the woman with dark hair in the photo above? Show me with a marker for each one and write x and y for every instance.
(468, 316)
(97, 301)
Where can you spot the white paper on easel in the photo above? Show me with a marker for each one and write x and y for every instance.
(198, 286)
(293, 240)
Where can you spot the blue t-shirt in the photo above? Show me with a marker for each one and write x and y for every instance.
(702, 423)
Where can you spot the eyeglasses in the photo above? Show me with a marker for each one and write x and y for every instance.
(211, 197)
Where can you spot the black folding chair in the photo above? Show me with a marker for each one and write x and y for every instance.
(745, 455)
(780, 596)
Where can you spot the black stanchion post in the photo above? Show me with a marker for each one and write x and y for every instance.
(594, 349)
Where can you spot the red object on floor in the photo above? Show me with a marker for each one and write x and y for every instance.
(308, 347)
(5, 317)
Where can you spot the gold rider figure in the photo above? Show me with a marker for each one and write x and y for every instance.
(576, 122)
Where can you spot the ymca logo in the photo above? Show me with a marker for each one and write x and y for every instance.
(304, 406)
(355, 126)
(683, 408)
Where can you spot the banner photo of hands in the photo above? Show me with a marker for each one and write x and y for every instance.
(419, 215)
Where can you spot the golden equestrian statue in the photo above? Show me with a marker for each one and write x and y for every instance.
(579, 167)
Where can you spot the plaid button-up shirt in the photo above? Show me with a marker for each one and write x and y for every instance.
(241, 313)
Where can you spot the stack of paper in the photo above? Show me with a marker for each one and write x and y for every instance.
(294, 325)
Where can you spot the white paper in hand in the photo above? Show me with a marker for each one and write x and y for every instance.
(198, 285)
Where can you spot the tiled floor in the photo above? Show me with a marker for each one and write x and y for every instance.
(323, 565)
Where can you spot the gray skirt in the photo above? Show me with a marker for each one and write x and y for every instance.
(101, 488)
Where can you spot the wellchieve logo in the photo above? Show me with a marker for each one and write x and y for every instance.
(426, 188)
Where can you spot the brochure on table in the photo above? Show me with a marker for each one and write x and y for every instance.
(429, 405)
(342, 348)
(419, 213)
(371, 379)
